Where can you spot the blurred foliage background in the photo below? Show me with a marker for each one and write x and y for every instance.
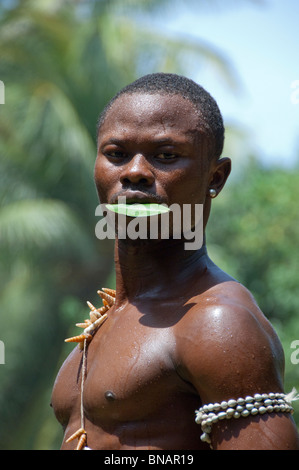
(61, 61)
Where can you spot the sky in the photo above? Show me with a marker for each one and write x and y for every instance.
(261, 41)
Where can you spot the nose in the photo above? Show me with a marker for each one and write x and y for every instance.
(137, 171)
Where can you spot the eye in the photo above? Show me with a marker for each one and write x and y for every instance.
(116, 154)
(166, 156)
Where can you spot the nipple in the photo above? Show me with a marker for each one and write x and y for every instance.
(109, 395)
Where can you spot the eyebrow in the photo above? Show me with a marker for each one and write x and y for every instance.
(156, 141)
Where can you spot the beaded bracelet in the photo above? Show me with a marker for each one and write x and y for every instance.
(243, 407)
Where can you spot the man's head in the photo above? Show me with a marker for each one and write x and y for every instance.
(159, 140)
(210, 122)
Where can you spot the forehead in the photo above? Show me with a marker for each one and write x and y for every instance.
(159, 113)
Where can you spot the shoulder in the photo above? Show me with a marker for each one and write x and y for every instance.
(226, 347)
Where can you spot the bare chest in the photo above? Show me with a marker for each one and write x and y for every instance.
(129, 373)
(129, 369)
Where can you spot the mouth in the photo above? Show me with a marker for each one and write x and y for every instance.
(138, 210)
(135, 197)
(137, 204)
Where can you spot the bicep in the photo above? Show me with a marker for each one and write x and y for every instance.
(234, 356)
(275, 431)
(231, 355)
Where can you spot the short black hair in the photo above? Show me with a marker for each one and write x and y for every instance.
(211, 121)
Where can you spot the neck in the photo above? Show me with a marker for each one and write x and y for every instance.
(155, 268)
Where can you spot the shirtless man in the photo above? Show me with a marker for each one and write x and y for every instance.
(182, 333)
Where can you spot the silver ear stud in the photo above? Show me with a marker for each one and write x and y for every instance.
(212, 192)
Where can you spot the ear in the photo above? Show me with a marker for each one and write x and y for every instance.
(219, 173)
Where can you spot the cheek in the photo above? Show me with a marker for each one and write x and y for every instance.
(186, 187)
(101, 178)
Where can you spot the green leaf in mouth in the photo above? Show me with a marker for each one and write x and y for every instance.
(138, 210)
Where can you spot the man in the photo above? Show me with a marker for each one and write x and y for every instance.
(182, 333)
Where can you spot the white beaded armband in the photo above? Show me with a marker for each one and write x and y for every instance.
(243, 407)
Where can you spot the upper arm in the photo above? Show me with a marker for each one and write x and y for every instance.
(230, 352)
(276, 431)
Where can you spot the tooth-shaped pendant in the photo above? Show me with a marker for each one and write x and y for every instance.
(91, 328)
(84, 325)
(103, 309)
(108, 298)
(93, 317)
(111, 292)
(92, 307)
(78, 339)
(97, 317)
(81, 435)
(82, 442)
(76, 435)
(93, 312)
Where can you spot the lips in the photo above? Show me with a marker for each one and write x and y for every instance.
(135, 203)
(135, 197)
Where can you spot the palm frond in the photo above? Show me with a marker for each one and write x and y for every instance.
(39, 224)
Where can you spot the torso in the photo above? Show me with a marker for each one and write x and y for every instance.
(136, 395)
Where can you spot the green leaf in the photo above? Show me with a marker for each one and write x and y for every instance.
(138, 210)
